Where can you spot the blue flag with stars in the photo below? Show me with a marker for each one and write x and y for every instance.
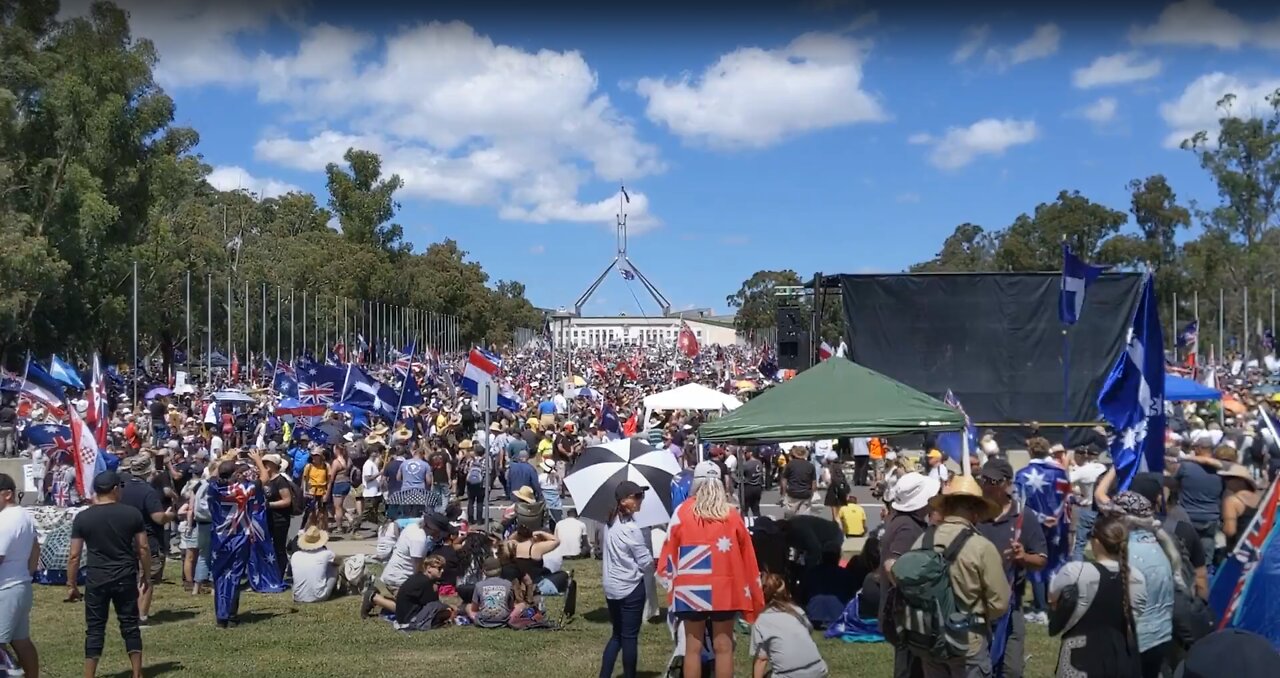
(1044, 486)
(1132, 398)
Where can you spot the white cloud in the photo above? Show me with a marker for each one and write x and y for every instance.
(1101, 111)
(1115, 69)
(196, 39)
(754, 97)
(975, 38)
(1044, 42)
(1197, 108)
(1202, 23)
(537, 249)
(960, 146)
(909, 196)
(460, 118)
(233, 178)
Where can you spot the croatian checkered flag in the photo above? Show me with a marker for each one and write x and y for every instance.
(1077, 276)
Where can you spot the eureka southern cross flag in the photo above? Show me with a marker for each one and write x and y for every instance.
(1077, 276)
(1132, 398)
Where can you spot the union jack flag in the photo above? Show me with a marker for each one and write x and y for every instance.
(694, 560)
(50, 437)
(284, 368)
(319, 394)
(692, 598)
(238, 520)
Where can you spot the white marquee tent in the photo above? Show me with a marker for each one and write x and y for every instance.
(690, 397)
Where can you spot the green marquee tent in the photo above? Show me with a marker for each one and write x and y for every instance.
(833, 399)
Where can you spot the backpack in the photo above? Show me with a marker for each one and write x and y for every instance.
(475, 474)
(200, 507)
(926, 614)
(1193, 619)
(299, 502)
(355, 471)
(531, 516)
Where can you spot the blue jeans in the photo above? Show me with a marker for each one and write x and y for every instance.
(203, 533)
(626, 616)
(1085, 518)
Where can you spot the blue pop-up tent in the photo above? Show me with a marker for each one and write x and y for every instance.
(1182, 389)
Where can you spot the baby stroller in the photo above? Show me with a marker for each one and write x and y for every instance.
(675, 667)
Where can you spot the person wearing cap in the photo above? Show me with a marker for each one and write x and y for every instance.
(549, 481)
(139, 493)
(1200, 489)
(627, 556)
(316, 488)
(1083, 475)
(977, 575)
(116, 571)
(493, 602)
(19, 558)
(315, 572)
(936, 466)
(1016, 532)
(710, 592)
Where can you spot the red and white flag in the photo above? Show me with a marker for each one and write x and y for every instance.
(687, 343)
(825, 351)
(235, 367)
(84, 452)
(96, 411)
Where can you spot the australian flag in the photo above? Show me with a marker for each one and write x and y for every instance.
(410, 393)
(951, 443)
(319, 384)
(332, 359)
(1044, 486)
(284, 382)
(1132, 398)
(1077, 276)
(50, 437)
(367, 393)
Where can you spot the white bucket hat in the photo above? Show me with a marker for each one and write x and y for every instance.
(912, 492)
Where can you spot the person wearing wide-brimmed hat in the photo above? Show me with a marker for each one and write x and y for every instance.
(314, 567)
(139, 493)
(1239, 502)
(908, 500)
(271, 472)
(977, 574)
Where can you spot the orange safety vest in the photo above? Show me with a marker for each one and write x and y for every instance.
(876, 447)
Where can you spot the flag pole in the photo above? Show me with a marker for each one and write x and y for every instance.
(1222, 327)
(230, 348)
(1174, 335)
(135, 333)
(263, 356)
(187, 362)
(1244, 335)
(208, 333)
(304, 322)
(279, 315)
(293, 324)
(249, 368)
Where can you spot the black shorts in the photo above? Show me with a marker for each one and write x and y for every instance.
(721, 616)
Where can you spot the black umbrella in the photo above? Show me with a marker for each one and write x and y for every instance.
(601, 468)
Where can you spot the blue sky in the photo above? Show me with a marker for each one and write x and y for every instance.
(829, 136)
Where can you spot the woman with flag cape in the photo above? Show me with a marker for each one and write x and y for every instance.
(241, 543)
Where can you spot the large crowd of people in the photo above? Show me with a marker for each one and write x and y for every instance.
(470, 523)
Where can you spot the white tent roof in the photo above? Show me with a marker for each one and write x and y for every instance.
(691, 397)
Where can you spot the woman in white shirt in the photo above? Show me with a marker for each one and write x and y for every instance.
(626, 557)
(370, 500)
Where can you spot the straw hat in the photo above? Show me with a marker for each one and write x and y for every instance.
(525, 494)
(312, 539)
(374, 439)
(280, 462)
(401, 435)
(1238, 471)
(465, 444)
(495, 427)
(379, 430)
(964, 489)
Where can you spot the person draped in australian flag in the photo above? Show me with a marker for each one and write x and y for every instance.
(241, 544)
(1043, 486)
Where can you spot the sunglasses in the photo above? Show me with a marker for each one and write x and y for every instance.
(990, 481)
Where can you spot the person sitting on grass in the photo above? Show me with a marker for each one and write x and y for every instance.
(476, 549)
(417, 604)
(493, 603)
(781, 638)
(315, 570)
(416, 540)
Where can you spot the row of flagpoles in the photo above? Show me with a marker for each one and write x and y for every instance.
(1256, 343)
(354, 327)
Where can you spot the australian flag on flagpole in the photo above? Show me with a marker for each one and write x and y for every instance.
(1187, 338)
(1077, 276)
(1132, 398)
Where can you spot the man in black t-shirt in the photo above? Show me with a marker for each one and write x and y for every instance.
(798, 479)
(141, 495)
(119, 555)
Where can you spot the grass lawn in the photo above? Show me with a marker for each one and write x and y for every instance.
(327, 640)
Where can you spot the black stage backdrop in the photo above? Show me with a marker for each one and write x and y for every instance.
(994, 339)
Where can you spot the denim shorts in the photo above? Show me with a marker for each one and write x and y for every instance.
(341, 489)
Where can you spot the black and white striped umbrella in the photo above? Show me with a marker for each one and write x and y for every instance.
(601, 468)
